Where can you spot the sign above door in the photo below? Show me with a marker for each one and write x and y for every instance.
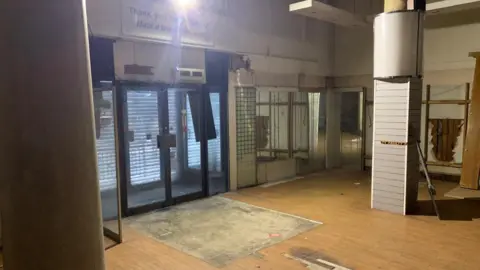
(159, 20)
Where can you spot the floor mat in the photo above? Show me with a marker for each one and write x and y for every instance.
(219, 230)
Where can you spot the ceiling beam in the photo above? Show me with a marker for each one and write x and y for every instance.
(328, 13)
(449, 6)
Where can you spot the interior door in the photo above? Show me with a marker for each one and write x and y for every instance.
(167, 133)
(216, 101)
(146, 183)
(185, 141)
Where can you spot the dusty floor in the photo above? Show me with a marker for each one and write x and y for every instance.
(353, 235)
(219, 230)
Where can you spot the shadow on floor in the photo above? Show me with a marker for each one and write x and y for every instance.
(461, 210)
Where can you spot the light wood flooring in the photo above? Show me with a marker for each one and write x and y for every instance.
(353, 235)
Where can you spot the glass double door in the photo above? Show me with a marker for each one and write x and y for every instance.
(167, 135)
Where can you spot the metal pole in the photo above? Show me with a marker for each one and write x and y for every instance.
(431, 188)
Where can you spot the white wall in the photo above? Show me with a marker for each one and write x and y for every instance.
(276, 40)
(448, 40)
(162, 58)
(353, 49)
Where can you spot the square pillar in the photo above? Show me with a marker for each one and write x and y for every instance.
(396, 129)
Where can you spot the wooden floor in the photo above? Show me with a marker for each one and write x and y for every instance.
(353, 235)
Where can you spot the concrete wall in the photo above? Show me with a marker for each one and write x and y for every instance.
(448, 40)
(276, 40)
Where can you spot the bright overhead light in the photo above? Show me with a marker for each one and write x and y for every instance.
(184, 5)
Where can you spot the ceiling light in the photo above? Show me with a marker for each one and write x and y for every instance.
(184, 5)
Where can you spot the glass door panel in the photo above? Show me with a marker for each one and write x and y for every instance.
(217, 175)
(105, 126)
(145, 185)
(322, 129)
(184, 127)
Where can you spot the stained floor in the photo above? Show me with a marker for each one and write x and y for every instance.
(352, 234)
(219, 230)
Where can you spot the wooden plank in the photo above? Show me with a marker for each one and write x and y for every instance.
(447, 101)
(452, 138)
(427, 124)
(463, 193)
(465, 115)
(444, 164)
(474, 54)
(471, 154)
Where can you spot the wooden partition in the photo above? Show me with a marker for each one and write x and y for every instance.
(471, 155)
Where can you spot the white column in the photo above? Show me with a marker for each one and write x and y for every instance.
(50, 201)
(398, 69)
(395, 173)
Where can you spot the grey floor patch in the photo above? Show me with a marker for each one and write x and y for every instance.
(219, 230)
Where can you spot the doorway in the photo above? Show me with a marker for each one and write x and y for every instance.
(173, 145)
(352, 128)
(106, 134)
(346, 128)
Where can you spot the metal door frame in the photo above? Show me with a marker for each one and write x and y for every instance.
(123, 146)
(362, 90)
(224, 142)
(115, 236)
(203, 147)
(125, 180)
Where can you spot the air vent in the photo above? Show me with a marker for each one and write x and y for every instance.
(188, 75)
(185, 73)
(197, 74)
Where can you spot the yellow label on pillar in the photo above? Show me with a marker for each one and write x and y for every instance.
(393, 143)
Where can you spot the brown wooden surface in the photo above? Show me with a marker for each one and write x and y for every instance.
(449, 101)
(471, 154)
(427, 124)
(352, 235)
(445, 144)
(108, 243)
(466, 110)
(444, 164)
(463, 193)
(474, 54)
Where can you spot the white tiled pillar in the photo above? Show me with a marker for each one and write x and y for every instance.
(395, 173)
